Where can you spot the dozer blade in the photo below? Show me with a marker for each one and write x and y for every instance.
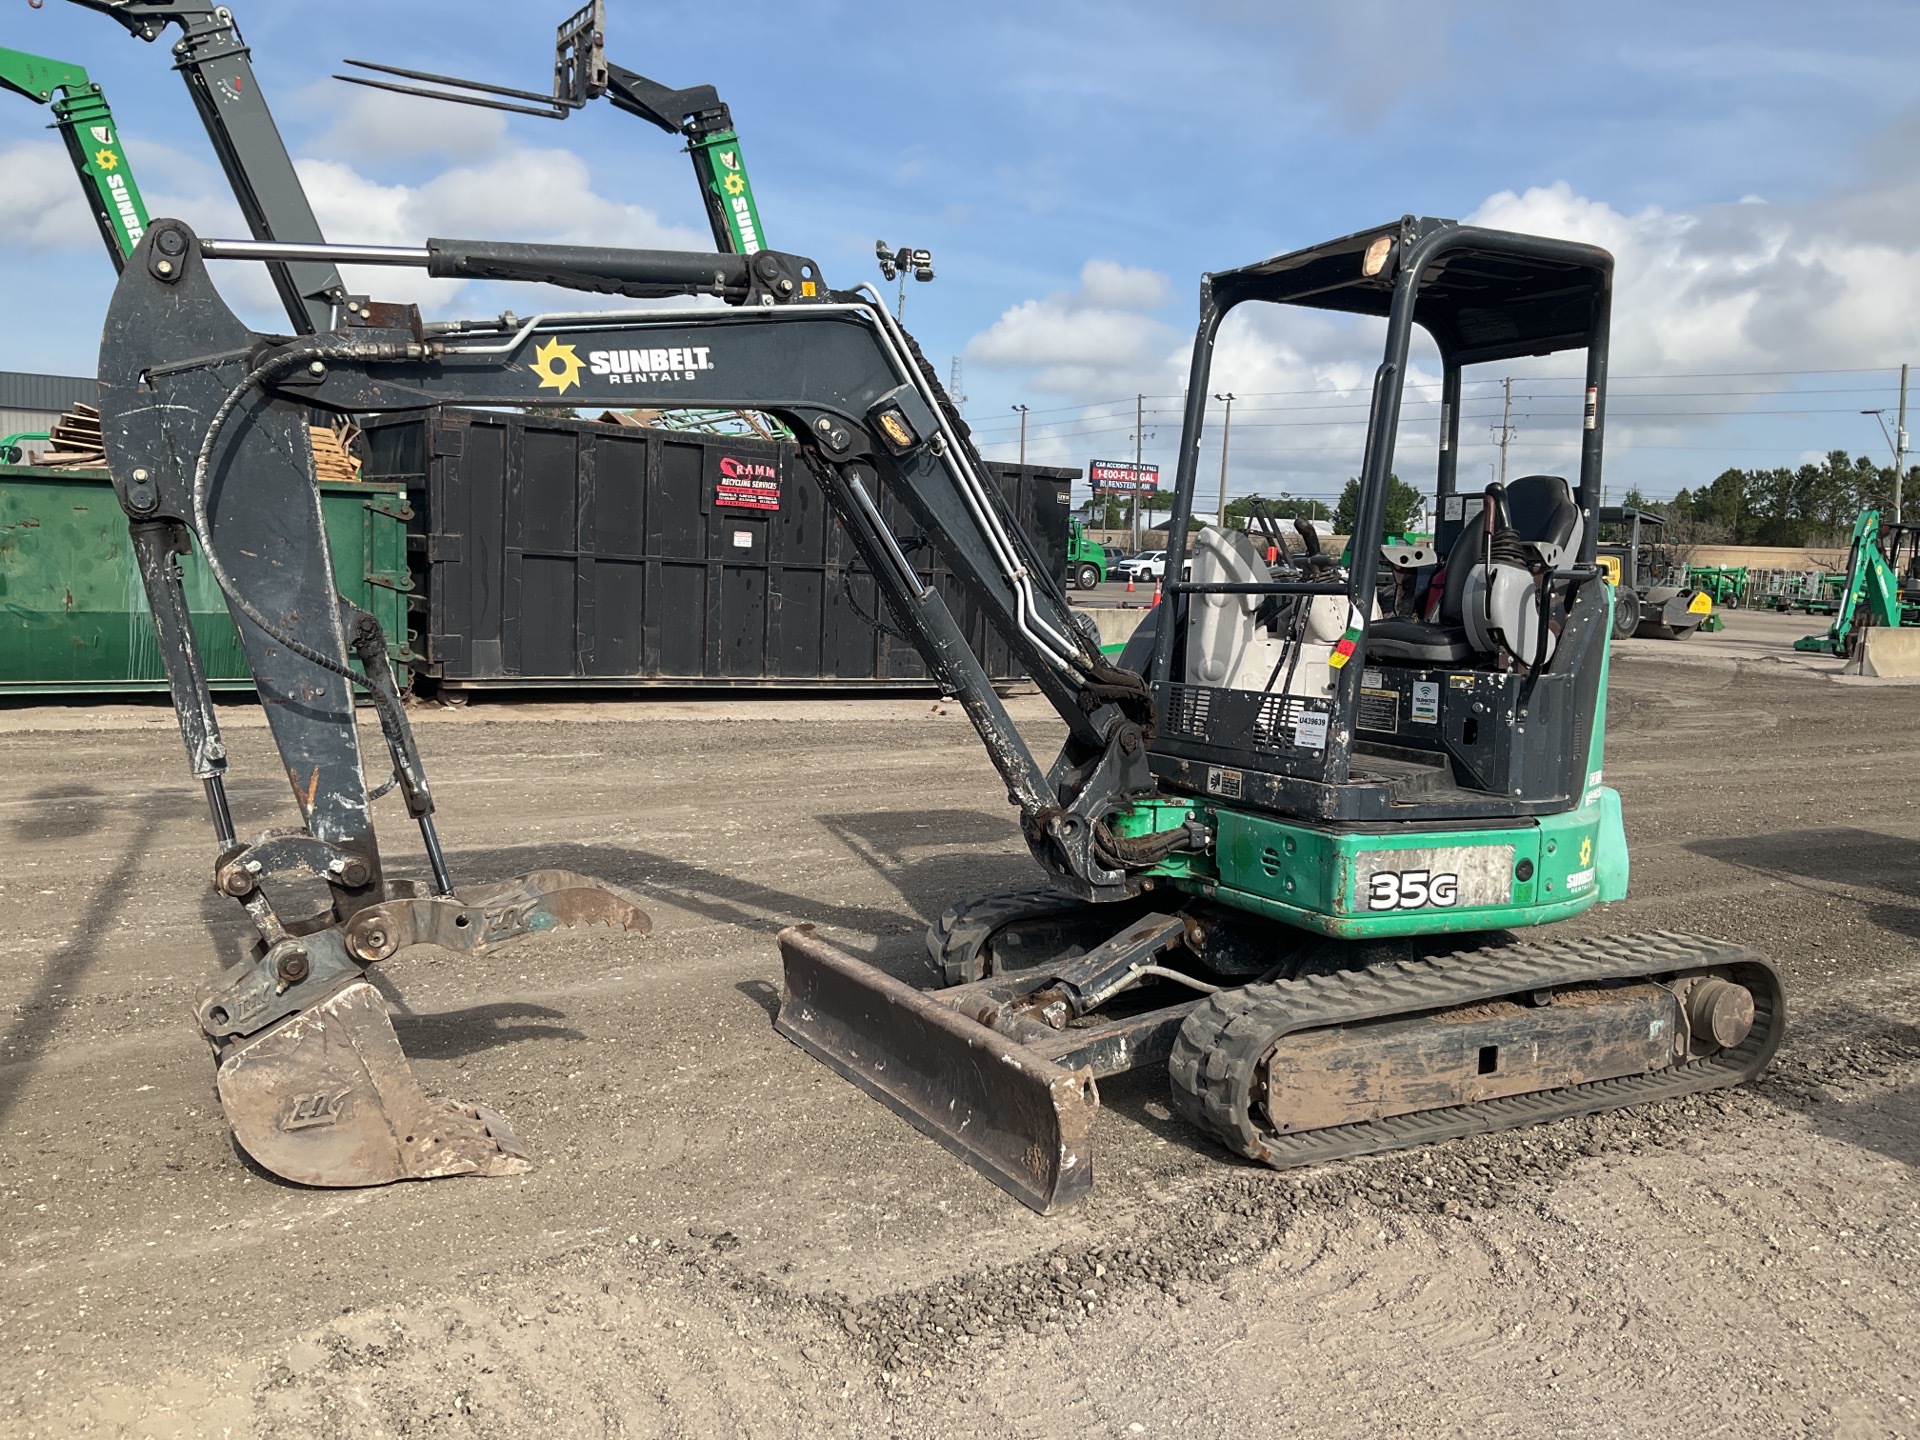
(1020, 1120)
(326, 1097)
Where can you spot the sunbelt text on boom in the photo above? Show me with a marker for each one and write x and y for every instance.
(644, 367)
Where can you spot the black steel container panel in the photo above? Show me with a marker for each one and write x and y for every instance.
(558, 551)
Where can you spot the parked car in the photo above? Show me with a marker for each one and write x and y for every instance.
(1115, 554)
(1147, 565)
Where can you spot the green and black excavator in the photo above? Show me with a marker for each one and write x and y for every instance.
(1882, 585)
(1282, 853)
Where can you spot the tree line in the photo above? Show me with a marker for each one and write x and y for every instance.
(1809, 505)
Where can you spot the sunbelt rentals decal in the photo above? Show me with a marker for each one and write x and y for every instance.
(557, 364)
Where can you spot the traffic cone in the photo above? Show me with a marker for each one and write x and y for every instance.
(1156, 596)
(1129, 582)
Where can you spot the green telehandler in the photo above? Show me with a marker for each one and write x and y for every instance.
(85, 123)
(582, 72)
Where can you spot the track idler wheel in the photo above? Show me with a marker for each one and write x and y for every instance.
(326, 1097)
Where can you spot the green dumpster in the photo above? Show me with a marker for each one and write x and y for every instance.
(73, 613)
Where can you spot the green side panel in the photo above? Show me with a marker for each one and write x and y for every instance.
(73, 612)
(1370, 885)
(1610, 849)
(717, 159)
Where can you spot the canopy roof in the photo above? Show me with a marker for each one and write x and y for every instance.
(1484, 294)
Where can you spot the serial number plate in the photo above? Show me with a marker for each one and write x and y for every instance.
(1443, 877)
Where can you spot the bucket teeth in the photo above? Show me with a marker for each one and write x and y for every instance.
(326, 1097)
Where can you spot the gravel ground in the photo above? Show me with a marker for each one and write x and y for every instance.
(720, 1237)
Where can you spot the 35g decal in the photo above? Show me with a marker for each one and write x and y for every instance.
(1411, 890)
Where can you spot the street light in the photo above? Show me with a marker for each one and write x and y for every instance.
(1226, 434)
(900, 262)
(1897, 442)
(1023, 437)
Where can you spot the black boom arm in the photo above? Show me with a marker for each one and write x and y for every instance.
(206, 431)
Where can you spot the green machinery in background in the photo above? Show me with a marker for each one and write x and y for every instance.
(581, 72)
(85, 123)
(1725, 585)
(1086, 558)
(75, 607)
(1881, 586)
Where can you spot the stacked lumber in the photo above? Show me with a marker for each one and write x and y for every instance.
(333, 457)
(75, 442)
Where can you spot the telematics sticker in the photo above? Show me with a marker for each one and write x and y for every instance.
(1426, 702)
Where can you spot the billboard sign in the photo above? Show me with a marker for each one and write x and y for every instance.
(1122, 477)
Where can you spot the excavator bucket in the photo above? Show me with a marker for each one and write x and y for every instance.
(325, 1096)
(1019, 1119)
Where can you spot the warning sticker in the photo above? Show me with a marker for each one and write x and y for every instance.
(743, 539)
(1426, 702)
(1380, 710)
(1224, 783)
(1460, 682)
(747, 484)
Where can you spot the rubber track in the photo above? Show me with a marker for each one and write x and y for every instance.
(1217, 1055)
(958, 939)
(957, 942)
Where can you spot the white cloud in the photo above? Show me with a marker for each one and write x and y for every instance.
(1100, 337)
(1714, 297)
(57, 217)
(380, 126)
(1748, 286)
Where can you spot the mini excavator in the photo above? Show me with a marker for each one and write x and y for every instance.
(1285, 845)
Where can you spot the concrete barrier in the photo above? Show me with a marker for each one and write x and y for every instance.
(1887, 653)
(1116, 625)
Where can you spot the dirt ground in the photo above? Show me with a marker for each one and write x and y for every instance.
(722, 1238)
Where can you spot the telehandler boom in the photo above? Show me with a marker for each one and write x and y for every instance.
(1283, 844)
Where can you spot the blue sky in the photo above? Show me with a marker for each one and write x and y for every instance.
(1074, 167)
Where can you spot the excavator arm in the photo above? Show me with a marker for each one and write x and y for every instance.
(218, 68)
(206, 430)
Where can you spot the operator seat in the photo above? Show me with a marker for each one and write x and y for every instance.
(1544, 516)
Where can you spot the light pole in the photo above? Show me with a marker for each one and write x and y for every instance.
(899, 262)
(1226, 434)
(1023, 437)
(1898, 440)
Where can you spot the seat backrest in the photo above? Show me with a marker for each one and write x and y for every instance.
(1543, 514)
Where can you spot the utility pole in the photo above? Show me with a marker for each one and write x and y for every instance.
(1139, 436)
(1226, 435)
(1023, 434)
(1505, 433)
(1900, 448)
